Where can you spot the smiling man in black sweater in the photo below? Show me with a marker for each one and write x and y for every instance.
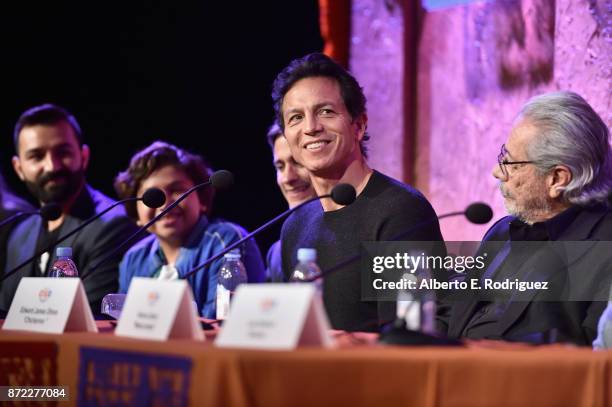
(322, 110)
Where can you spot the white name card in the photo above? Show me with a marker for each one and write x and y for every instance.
(275, 316)
(158, 310)
(51, 305)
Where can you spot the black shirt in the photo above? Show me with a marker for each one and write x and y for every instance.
(383, 211)
(46, 238)
(484, 321)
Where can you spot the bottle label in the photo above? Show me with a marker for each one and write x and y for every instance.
(223, 301)
(63, 268)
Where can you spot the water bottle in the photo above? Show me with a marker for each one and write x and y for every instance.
(231, 274)
(307, 268)
(63, 265)
(416, 308)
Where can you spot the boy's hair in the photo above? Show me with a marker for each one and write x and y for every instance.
(158, 155)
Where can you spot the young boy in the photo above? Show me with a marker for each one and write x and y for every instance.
(185, 237)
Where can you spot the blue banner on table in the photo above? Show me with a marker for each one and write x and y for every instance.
(118, 378)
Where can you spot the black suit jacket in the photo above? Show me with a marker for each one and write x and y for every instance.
(583, 271)
(88, 246)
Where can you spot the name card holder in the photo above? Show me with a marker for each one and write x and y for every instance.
(275, 317)
(159, 310)
(50, 305)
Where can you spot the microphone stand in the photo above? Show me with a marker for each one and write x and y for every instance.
(250, 235)
(15, 216)
(152, 221)
(66, 236)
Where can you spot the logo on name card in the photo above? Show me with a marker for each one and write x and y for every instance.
(44, 294)
(152, 297)
(267, 304)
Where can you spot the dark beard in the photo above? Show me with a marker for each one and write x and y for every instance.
(56, 193)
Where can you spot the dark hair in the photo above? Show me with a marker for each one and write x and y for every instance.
(274, 132)
(320, 65)
(46, 114)
(152, 158)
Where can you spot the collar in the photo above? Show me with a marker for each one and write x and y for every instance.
(192, 242)
(551, 229)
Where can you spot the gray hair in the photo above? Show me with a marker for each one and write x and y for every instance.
(571, 134)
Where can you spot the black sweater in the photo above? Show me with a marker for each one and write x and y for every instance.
(384, 210)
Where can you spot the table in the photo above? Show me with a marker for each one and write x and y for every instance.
(358, 372)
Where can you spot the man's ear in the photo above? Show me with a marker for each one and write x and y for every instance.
(17, 167)
(85, 156)
(557, 180)
(361, 124)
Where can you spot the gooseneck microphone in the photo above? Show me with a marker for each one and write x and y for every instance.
(478, 213)
(152, 197)
(49, 211)
(342, 194)
(220, 180)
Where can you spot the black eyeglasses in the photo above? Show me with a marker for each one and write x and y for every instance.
(503, 162)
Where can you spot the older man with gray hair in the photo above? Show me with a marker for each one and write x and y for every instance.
(555, 175)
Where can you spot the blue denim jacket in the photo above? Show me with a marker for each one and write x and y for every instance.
(145, 259)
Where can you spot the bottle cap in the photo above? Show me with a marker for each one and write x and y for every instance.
(63, 252)
(306, 254)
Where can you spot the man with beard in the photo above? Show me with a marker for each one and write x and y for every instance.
(555, 175)
(51, 159)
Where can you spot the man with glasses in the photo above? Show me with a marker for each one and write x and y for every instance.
(555, 175)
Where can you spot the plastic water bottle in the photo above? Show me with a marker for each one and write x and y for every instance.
(307, 268)
(63, 265)
(231, 274)
(417, 307)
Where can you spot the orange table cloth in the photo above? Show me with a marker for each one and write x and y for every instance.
(358, 372)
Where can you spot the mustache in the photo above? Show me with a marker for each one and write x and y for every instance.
(50, 176)
(502, 191)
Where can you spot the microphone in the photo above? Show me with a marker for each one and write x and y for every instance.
(220, 180)
(342, 194)
(49, 211)
(152, 197)
(478, 212)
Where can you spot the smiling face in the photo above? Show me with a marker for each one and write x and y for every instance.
(177, 224)
(321, 133)
(292, 178)
(51, 162)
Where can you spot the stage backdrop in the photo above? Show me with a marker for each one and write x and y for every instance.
(476, 63)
